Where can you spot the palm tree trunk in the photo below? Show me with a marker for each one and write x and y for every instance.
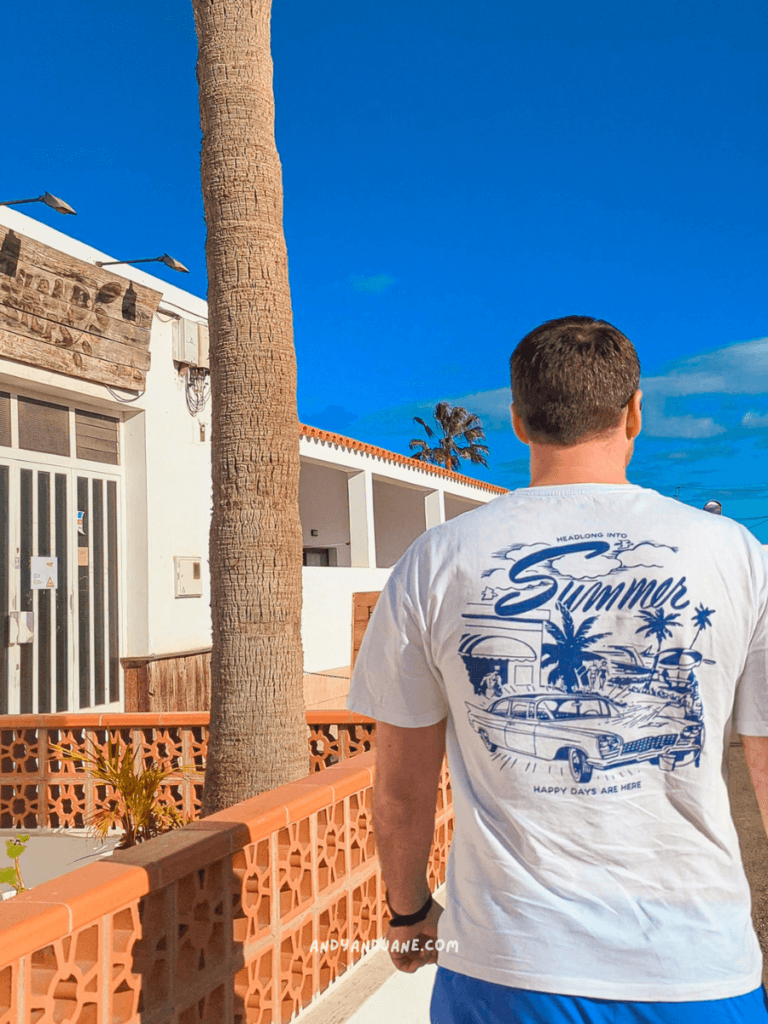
(257, 731)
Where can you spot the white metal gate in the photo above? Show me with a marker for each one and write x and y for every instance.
(59, 588)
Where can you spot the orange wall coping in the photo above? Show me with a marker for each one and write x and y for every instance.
(113, 719)
(123, 720)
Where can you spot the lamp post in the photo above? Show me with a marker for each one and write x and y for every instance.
(53, 201)
(169, 261)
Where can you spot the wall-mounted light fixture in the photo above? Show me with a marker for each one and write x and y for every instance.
(169, 261)
(55, 204)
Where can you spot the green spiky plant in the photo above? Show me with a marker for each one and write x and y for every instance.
(135, 804)
(12, 875)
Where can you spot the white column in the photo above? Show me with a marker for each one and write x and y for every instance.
(362, 536)
(434, 508)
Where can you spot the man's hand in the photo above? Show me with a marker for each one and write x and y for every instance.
(420, 940)
(408, 763)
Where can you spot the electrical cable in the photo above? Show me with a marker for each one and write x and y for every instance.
(125, 401)
(197, 388)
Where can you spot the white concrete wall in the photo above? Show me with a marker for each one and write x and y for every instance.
(165, 466)
(324, 506)
(179, 501)
(456, 505)
(400, 517)
(326, 618)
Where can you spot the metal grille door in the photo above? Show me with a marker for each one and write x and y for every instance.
(39, 671)
(59, 590)
(98, 624)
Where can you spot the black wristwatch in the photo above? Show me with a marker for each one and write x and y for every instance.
(406, 920)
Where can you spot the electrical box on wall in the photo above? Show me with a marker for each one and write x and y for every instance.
(187, 576)
(202, 347)
(186, 342)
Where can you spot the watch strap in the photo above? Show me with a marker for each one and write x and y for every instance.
(406, 920)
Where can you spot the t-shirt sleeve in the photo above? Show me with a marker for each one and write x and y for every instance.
(395, 679)
(751, 708)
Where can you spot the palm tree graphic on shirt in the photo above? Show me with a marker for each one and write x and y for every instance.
(702, 619)
(656, 624)
(569, 653)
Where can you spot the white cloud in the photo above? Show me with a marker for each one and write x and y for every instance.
(491, 406)
(656, 424)
(740, 369)
(754, 419)
(373, 284)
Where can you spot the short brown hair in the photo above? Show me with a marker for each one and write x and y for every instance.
(571, 379)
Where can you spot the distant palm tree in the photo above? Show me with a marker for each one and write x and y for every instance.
(457, 426)
(702, 618)
(656, 624)
(569, 652)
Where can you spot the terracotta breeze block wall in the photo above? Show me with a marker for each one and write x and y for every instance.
(38, 790)
(214, 922)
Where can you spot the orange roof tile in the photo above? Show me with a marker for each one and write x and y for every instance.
(383, 453)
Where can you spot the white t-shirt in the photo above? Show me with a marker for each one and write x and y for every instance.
(586, 643)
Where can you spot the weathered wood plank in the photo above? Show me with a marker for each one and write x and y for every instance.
(29, 294)
(74, 364)
(30, 266)
(64, 314)
(362, 608)
(63, 336)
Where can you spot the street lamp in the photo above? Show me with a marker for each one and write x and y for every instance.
(169, 261)
(55, 204)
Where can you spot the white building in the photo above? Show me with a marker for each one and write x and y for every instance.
(105, 488)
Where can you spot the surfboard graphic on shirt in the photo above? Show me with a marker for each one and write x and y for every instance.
(583, 657)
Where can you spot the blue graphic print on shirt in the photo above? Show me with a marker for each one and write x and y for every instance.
(586, 653)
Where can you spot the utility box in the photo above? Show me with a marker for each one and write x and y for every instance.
(185, 341)
(203, 360)
(187, 576)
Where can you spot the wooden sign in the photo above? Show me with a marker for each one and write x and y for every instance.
(63, 314)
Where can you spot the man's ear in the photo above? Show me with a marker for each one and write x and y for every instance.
(635, 415)
(517, 426)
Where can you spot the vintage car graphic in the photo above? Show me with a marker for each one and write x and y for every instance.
(589, 731)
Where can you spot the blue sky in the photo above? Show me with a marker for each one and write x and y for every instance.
(454, 174)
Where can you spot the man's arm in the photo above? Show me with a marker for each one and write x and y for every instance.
(408, 763)
(756, 756)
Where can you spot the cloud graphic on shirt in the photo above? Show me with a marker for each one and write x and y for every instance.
(576, 566)
(645, 555)
(514, 552)
(584, 565)
(579, 566)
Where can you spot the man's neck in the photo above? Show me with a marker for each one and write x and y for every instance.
(594, 462)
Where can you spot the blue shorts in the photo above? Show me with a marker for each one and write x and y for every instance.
(459, 999)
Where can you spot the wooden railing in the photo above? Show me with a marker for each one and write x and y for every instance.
(39, 790)
(245, 916)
